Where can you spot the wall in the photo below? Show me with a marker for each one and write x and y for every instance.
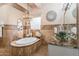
(3, 14)
(58, 9)
(69, 18)
(9, 17)
(47, 27)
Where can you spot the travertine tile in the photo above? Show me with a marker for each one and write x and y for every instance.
(43, 51)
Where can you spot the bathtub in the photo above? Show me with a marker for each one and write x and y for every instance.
(25, 46)
(25, 41)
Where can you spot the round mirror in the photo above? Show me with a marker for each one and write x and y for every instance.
(51, 15)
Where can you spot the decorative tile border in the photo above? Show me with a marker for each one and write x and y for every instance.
(47, 27)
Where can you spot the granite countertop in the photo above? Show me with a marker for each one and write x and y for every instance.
(67, 46)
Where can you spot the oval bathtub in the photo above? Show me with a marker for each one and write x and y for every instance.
(24, 41)
(25, 46)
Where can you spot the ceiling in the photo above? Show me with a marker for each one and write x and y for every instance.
(34, 8)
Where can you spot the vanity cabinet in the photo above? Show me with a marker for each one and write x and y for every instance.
(54, 50)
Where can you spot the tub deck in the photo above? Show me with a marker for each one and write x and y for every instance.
(25, 50)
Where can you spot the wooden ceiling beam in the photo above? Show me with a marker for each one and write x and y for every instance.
(17, 6)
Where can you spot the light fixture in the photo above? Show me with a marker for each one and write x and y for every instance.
(27, 16)
(66, 6)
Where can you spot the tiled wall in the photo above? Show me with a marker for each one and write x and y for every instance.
(9, 34)
(47, 31)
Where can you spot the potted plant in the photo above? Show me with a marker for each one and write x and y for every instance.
(62, 37)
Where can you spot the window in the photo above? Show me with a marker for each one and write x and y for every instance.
(19, 28)
(36, 23)
(19, 25)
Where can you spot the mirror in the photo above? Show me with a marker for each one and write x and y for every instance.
(51, 15)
